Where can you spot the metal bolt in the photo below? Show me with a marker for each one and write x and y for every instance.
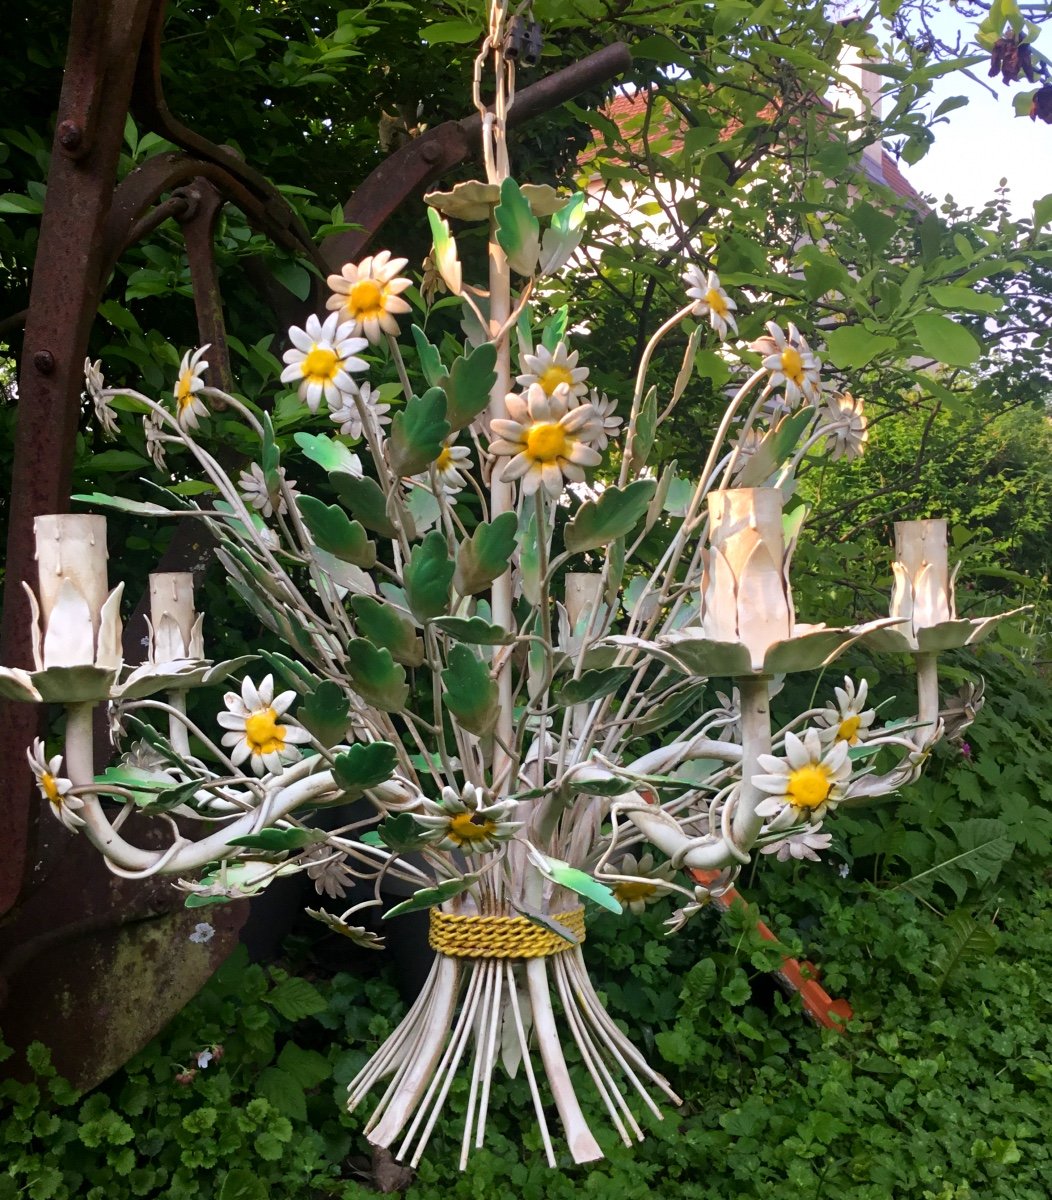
(44, 361)
(430, 153)
(70, 135)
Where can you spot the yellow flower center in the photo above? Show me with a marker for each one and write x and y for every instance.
(808, 786)
(628, 892)
(263, 733)
(466, 828)
(444, 460)
(553, 376)
(792, 365)
(365, 300)
(50, 788)
(183, 394)
(848, 730)
(546, 442)
(321, 363)
(716, 302)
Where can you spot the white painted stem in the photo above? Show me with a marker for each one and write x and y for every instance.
(756, 740)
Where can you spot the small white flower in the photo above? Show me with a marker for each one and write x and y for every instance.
(447, 467)
(254, 490)
(545, 440)
(202, 934)
(803, 845)
(366, 295)
(710, 300)
(551, 369)
(465, 822)
(649, 885)
(791, 363)
(356, 933)
(809, 780)
(848, 720)
(321, 359)
(95, 385)
(843, 870)
(154, 431)
(346, 414)
(329, 871)
(255, 734)
(605, 425)
(849, 433)
(188, 405)
(54, 787)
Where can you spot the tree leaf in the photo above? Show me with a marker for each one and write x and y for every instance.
(376, 677)
(611, 516)
(470, 692)
(433, 896)
(428, 576)
(468, 385)
(854, 346)
(875, 226)
(484, 557)
(518, 231)
(475, 630)
(335, 532)
(418, 432)
(964, 299)
(364, 766)
(945, 340)
(384, 626)
(307, 1067)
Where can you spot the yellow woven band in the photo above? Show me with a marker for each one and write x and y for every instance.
(500, 937)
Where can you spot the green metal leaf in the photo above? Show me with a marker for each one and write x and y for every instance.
(270, 460)
(576, 881)
(330, 454)
(428, 577)
(365, 499)
(468, 385)
(401, 834)
(642, 440)
(418, 432)
(475, 630)
(611, 516)
(325, 713)
(141, 507)
(364, 766)
(446, 260)
(563, 236)
(376, 677)
(484, 557)
(278, 841)
(777, 445)
(384, 626)
(470, 692)
(433, 896)
(593, 685)
(335, 532)
(518, 231)
(431, 366)
(530, 557)
(293, 673)
(543, 921)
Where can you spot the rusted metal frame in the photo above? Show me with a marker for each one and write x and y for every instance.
(63, 300)
(199, 226)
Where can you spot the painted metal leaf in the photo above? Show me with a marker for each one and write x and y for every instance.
(563, 236)
(365, 499)
(418, 432)
(270, 459)
(593, 685)
(703, 657)
(331, 455)
(431, 365)
(401, 834)
(428, 577)
(61, 685)
(335, 532)
(293, 673)
(775, 448)
(433, 896)
(611, 516)
(423, 510)
(384, 626)
(278, 841)
(807, 651)
(16, 684)
(140, 507)
(641, 438)
(485, 555)
(468, 386)
(446, 260)
(474, 630)
(376, 677)
(364, 766)
(655, 718)
(325, 713)
(518, 231)
(576, 881)
(530, 556)
(543, 921)
(470, 692)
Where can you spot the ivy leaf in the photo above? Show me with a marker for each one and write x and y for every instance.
(417, 433)
(485, 555)
(945, 340)
(335, 532)
(446, 261)
(593, 685)
(325, 713)
(430, 360)
(428, 576)
(563, 236)
(433, 896)
(470, 692)
(330, 454)
(386, 627)
(518, 232)
(376, 677)
(576, 881)
(475, 630)
(468, 385)
(364, 766)
(609, 517)
(365, 499)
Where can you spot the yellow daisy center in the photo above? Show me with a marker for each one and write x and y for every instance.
(809, 786)
(848, 729)
(546, 442)
(263, 733)
(717, 302)
(552, 376)
(444, 460)
(183, 393)
(365, 300)
(50, 788)
(321, 363)
(792, 365)
(466, 828)
(638, 890)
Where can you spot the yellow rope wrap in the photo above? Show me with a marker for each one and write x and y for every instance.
(500, 937)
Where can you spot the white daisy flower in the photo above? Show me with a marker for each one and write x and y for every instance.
(710, 300)
(54, 787)
(546, 440)
(95, 385)
(465, 822)
(791, 363)
(811, 780)
(366, 295)
(553, 369)
(636, 894)
(344, 411)
(799, 846)
(848, 720)
(255, 734)
(321, 357)
(849, 433)
(188, 405)
(329, 871)
(451, 461)
(606, 425)
(356, 933)
(256, 494)
(154, 430)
